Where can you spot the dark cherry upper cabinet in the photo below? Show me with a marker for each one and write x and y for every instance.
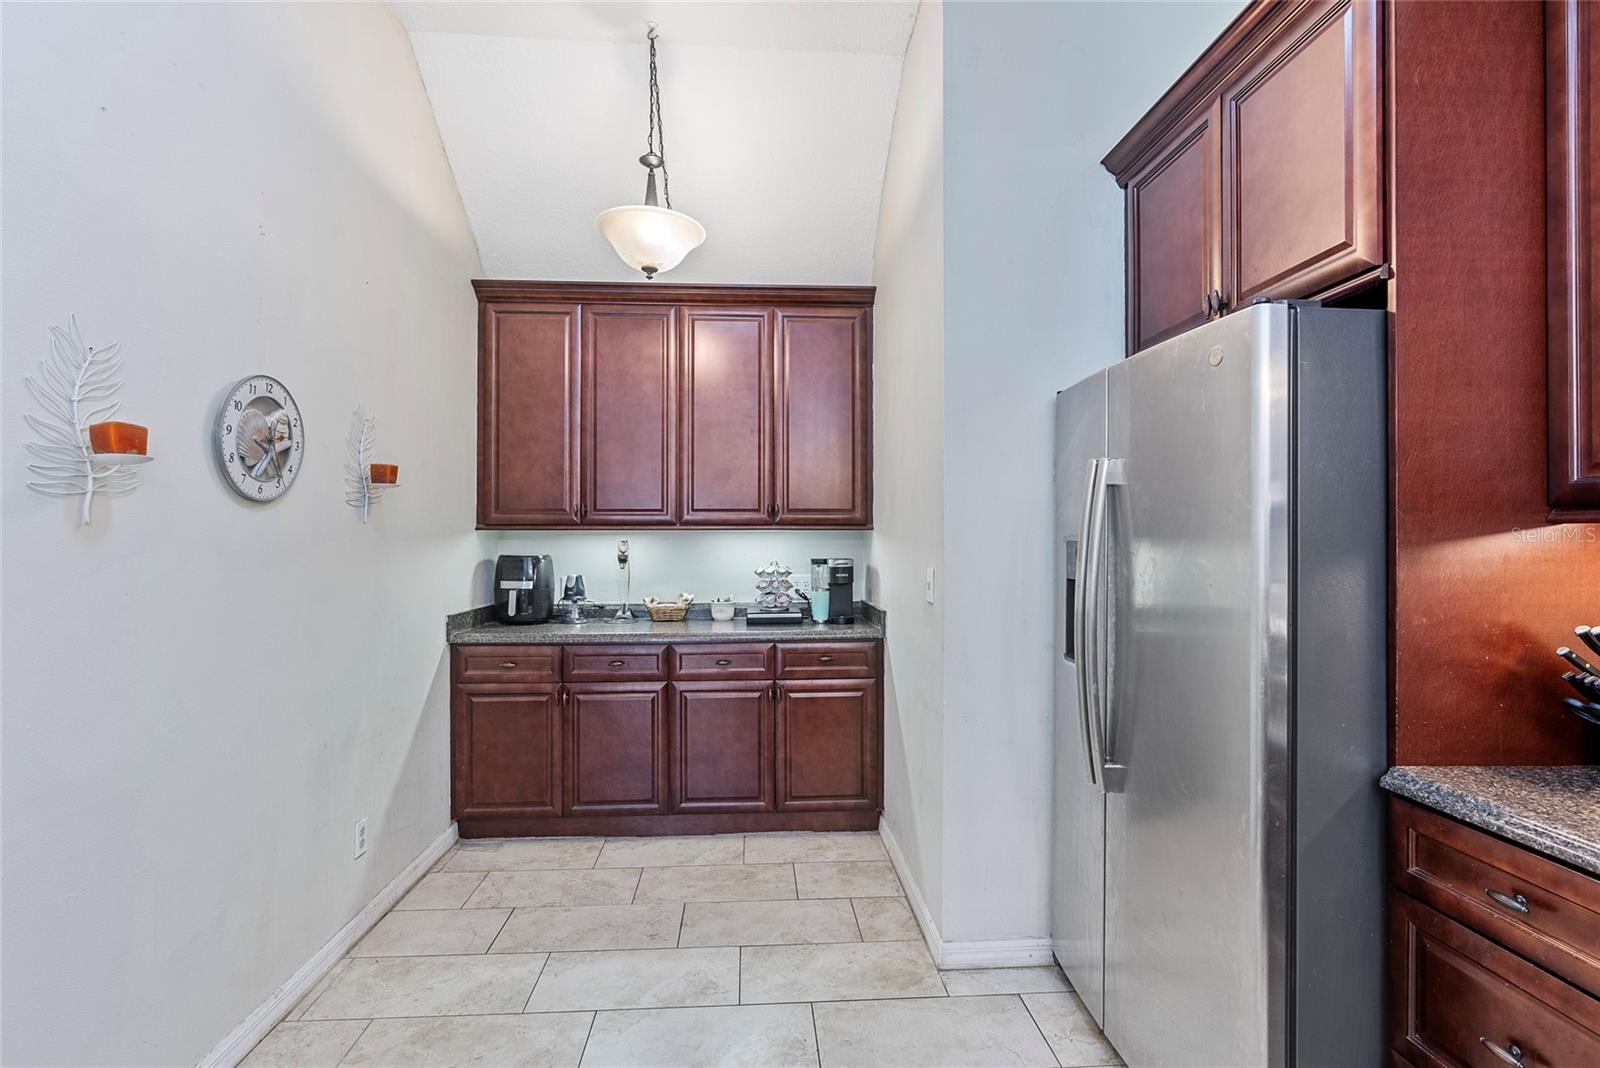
(636, 405)
(528, 396)
(630, 424)
(616, 748)
(1302, 171)
(507, 751)
(1173, 250)
(824, 414)
(727, 417)
(1260, 173)
(827, 744)
(1572, 57)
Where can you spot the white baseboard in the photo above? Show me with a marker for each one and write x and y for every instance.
(233, 1049)
(919, 907)
(1000, 953)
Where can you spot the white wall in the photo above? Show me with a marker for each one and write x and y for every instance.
(909, 456)
(1034, 95)
(778, 153)
(202, 694)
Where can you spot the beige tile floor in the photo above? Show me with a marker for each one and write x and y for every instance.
(737, 950)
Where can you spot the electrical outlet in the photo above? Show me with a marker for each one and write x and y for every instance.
(361, 838)
(927, 585)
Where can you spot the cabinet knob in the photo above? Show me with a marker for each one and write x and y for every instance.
(824, 659)
(1219, 303)
(724, 662)
(508, 664)
(615, 663)
(1205, 305)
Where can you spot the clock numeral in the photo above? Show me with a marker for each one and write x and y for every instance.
(252, 389)
(269, 387)
(228, 429)
(238, 405)
(230, 457)
(260, 489)
(297, 445)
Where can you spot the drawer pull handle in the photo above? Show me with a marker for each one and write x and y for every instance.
(1517, 903)
(508, 664)
(1512, 1055)
(824, 659)
(616, 663)
(723, 662)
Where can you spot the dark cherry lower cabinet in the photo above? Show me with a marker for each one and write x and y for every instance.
(652, 739)
(1494, 951)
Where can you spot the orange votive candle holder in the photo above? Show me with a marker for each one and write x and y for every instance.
(124, 439)
(383, 474)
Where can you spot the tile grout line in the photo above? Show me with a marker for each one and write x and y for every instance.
(1029, 1010)
(815, 1037)
(542, 966)
(860, 934)
(346, 1054)
(500, 931)
(595, 1015)
(683, 911)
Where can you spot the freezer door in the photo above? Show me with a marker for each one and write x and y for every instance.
(1196, 543)
(1077, 886)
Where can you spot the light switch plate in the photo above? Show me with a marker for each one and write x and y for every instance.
(927, 584)
(361, 838)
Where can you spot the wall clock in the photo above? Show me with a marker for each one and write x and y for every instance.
(260, 439)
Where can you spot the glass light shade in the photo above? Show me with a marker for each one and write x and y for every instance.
(649, 238)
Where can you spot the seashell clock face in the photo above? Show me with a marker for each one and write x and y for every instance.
(260, 439)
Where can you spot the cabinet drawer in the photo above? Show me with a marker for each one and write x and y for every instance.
(714, 662)
(827, 660)
(508, 663)
(1465, 1001)
(1545, 911)
(616, 663)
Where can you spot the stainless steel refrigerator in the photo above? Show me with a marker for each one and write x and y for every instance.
(1221, 507)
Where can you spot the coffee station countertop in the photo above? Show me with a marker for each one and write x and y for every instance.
(1550, 810)
(477, 627)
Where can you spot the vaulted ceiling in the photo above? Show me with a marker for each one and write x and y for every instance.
(777, 117)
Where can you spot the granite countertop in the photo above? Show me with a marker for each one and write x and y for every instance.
(477, 627)
(1551, 810)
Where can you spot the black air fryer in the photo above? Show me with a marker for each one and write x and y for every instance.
(524, 589)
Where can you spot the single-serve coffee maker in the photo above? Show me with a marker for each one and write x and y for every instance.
(524, 589)
(841, 590)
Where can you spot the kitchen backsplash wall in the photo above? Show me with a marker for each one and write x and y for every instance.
(709, 563)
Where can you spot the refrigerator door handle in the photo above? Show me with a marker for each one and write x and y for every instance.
(1093, 631)
(1080, 617)
(1112, 773)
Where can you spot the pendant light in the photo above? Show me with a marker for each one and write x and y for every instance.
(649, 237)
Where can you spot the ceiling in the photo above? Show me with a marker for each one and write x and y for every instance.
(777, 115)
(881, 27)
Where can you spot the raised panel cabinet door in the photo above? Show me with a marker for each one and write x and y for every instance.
(528, 397)
(824, 410)
(1459, 999)
(1173, 244)
(630, 414)
(722, 747)
(1302, 161)
(616, 748)
(506, 751)
(828, 745)
(1572, 57)
(727, 417)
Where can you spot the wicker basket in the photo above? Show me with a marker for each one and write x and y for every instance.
(667, 613)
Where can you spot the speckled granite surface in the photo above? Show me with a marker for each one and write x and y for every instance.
(477, 627)
(1551, 810)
